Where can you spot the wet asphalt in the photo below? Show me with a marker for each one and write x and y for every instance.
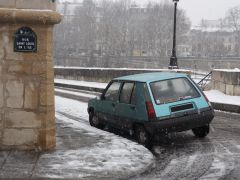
(182, 156)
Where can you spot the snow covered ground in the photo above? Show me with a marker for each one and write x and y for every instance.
(180, 157)
(204, 158)
(219, 97)
(228, 70)
(110, 154)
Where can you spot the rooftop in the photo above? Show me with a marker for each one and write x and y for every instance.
(149, 77)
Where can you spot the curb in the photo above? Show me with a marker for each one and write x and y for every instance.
(226, 107)
(84, 88)
(72, 96)
(226, 114)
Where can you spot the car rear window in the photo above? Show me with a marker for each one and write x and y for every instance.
(172, 90)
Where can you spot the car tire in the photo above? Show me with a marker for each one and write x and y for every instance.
(142, 136)
(94, 120)
(201, 132)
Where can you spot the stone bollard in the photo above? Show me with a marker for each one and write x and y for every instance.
(27, 114)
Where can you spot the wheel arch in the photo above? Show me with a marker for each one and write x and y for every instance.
(136, 124)
(90, 109)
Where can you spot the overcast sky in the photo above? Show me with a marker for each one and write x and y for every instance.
(199, 9)
(207, 9)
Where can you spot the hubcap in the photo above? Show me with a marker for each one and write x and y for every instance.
(142, 136)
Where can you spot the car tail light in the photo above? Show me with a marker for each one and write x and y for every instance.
(150, 110)
(207, 99)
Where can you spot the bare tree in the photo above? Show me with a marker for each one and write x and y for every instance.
(233, 18)
(119, 28)
(159, 28)
(113, 26)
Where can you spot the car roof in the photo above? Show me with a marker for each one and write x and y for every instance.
(150, 77)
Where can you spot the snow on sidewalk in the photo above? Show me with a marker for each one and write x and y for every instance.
(110, 156)
(81, 83)
(219, 97)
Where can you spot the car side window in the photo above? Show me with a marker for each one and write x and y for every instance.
(126, 93)
(112, 92)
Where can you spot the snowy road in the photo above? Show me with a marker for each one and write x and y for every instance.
(181, 155)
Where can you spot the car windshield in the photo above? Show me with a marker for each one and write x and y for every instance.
(173, 90)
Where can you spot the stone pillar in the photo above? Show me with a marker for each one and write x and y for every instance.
(27, 118)
(226, 81)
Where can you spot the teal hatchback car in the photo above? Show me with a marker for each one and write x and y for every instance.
(152, 103)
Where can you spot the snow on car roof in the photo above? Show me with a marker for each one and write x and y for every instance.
(149, 77)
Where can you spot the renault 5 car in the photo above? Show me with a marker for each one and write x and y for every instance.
(152, 103)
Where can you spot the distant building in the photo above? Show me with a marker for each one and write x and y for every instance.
(213, 26)
(211, 38)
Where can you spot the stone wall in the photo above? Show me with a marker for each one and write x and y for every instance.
(209, 64)
(205, 64)
(226, 81)
(101, 74)
(27, 119)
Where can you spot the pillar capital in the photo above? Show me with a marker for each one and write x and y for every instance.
(28, 4)
(29, 16)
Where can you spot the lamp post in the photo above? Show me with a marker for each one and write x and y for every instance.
(173, 59)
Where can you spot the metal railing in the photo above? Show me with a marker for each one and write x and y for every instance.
(204, 81)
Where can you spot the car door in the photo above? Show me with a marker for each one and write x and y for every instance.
(126, 108)
(108, 103)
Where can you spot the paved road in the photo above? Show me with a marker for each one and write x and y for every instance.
(182, 156)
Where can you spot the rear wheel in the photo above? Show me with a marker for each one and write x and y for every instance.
(142, 136)
(94, 120)
(201, 132)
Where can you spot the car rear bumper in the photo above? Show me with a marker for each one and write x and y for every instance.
(181, 122)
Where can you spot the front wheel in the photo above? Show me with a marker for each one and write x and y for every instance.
(143, 137)
(201, 132)
(94, 121)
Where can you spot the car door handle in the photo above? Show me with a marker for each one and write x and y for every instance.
(132, 107)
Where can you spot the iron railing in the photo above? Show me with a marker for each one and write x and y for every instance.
(204, 81)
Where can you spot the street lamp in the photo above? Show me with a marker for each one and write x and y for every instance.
(173, 59)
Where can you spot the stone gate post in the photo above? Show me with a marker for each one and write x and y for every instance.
(27, 118)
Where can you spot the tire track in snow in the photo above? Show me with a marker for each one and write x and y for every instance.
(186, 161)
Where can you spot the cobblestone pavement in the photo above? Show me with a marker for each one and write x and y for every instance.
(182, 156)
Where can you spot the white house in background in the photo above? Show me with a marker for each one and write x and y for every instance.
(213, 26)
(184, 50)
(211, 38)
